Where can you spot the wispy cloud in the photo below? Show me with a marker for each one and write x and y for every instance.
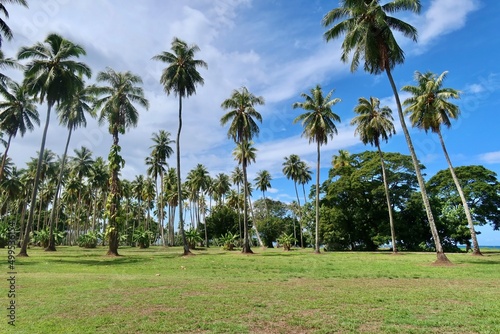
(490, 157)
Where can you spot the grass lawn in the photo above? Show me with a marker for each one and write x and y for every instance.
(156, 290)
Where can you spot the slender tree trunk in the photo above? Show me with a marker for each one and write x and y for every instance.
(441, 256)
(4, 158)
(161, 212)
(113, 204)
(246, 244)
(475, 245)
(179, 183)
(24, 246)
(388, 200)
(316, 250)
(52, 244)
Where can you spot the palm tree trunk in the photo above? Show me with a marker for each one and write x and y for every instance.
(52, 245)
(113, 202)
(388, 199)
(255, 225)
(4, 158)
(316, 250)
(179, 183)
(441, 256)
(162, 230)
(475, 244)
(24, 246)
(300, 214)
(246, 244)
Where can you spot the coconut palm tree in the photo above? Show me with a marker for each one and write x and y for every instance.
(52, 76)
(237, 180)
(242, 115)
(262, 183)
(221, 187)
(181, 77)
(171, 198)
(374, 123)
(4, 28)
(157, 163)
(116, 104)
(319, 125)
(367, 29)
(304, 176)
(429, 108)
(18, 114)
(292, 169)
(71, 114)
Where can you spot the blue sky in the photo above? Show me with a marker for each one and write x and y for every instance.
(276, 49)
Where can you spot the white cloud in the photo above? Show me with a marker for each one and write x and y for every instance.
(490, 157)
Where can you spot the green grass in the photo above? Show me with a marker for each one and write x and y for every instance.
(158, 291)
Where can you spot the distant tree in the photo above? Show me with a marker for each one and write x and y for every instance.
(4, 28)
(319, 125)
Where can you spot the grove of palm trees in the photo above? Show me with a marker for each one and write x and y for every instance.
(84, 200)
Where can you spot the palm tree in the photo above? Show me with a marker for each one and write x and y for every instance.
(237, 180)
(374, 124)
(319, 125)
(292, 167)
(263, 182)
(368, 34)
(17, 114)
(241, 106)
(116, 105)
(303, 177)
(4, 28)
(171, 198)
(52, 76)
(71, 114)
(429, 108)
(157, 163)
(221, 187)
(181, 77)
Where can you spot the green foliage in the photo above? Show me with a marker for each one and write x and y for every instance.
(41, 238)
(193, 237)
(221, 220)
(227, 241)
(89, 240)
(142, 237)
(286, 241)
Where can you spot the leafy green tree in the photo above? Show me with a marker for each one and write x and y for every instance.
(181, 77)
(116, 105)
(429, 108)
(243, 116)
(221, 220)
(18, 114)
(52, 76)
(375, 124)
(319, 125)
(367, 28)
(481, 189)
(4, 28)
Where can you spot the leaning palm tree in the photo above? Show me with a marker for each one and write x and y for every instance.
(4, 28)
(319, 125)
(52, 76)
(429, 108)
(116, 104)
(374, 124)
(243, 115)
(292, 169)
(367, 29)
(181, 77)
(18, 114)
(72, 115)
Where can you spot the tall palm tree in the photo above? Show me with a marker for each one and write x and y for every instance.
(157, 163)
(262, 183)
(237, 180)
(367, 29)
(292, 167)
(221, 187)
(181, 77)
(4, 28)
(116, 103)
(72, 115)
(171, 198)
(52, 76)
(243, 115)
(18, 113)
(304, 176)
(319, 125)
(244, 154)
(429, 108)
(374, 123)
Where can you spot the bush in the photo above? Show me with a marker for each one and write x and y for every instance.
(88, 240)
